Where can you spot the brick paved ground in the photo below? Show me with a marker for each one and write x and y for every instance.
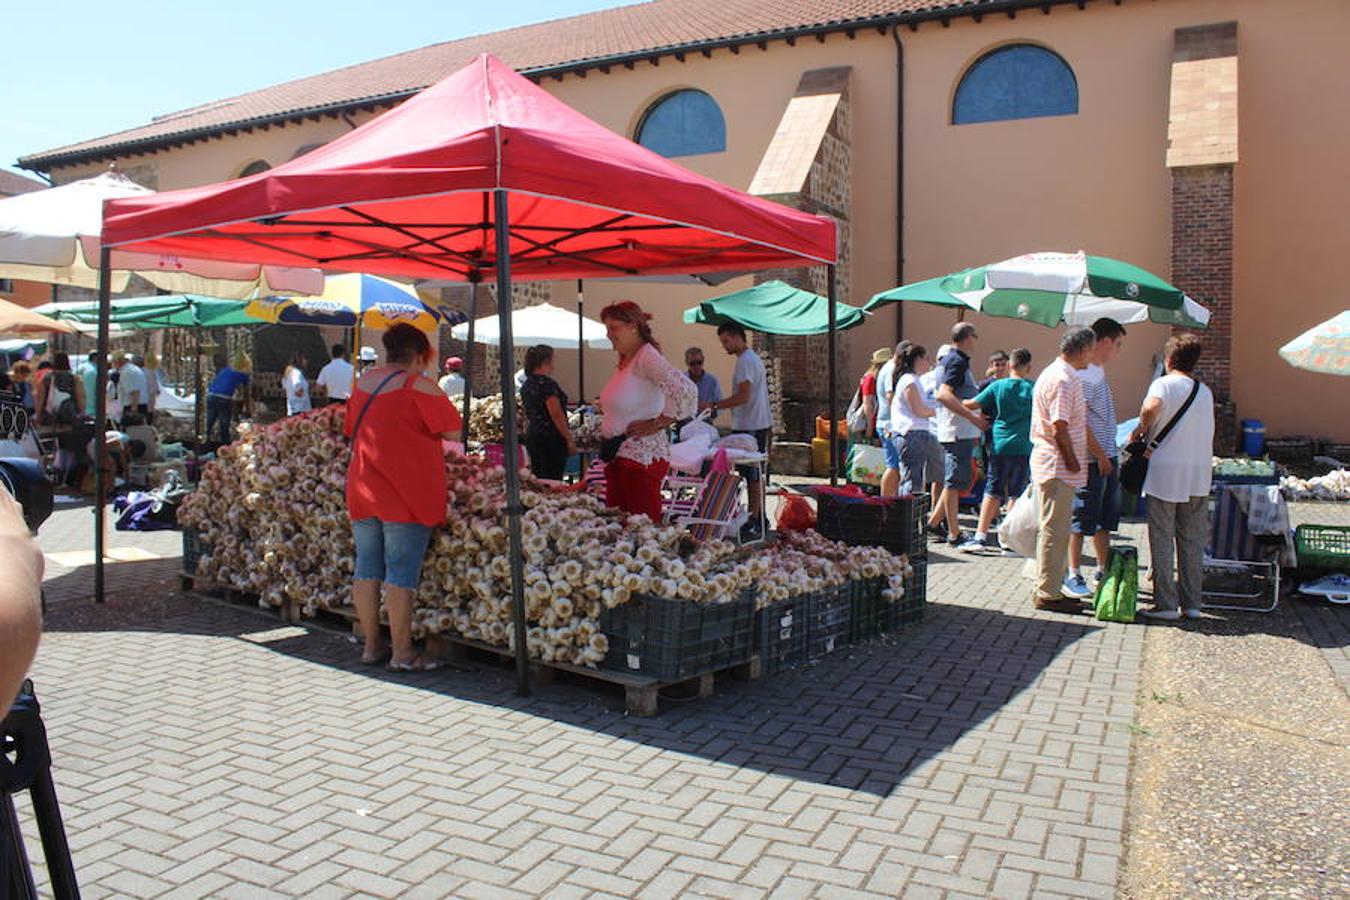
(204, 749)
(199, 750)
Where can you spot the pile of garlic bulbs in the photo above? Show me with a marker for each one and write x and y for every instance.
(485, 419)
(1335, 485)
(272, 510)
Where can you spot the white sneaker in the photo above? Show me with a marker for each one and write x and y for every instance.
(1162, 615)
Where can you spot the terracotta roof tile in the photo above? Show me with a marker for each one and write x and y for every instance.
(12, 183)
(626, 30)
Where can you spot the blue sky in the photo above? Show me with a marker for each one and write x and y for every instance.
(79, 69)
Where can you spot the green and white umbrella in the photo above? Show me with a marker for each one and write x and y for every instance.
(1324, 348)
(1052, 288)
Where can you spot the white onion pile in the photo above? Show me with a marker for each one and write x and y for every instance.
(1335, 485)
(272, 510)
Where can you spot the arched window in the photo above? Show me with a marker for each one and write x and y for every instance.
(253, 168)
(308, 148)
(1017, 82)
(683, 123)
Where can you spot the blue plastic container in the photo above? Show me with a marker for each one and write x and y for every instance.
(1253, 437)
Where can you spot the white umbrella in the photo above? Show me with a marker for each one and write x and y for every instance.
(52, 236)
(542, 324)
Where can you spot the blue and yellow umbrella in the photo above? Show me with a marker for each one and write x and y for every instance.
(356, 299)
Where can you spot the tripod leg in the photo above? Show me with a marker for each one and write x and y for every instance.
(16, 875)
(60, 867)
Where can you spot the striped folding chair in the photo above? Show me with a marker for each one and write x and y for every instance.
(717, 511)
(1238, 566)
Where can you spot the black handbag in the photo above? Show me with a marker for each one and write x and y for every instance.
(1134, 458)
(609, 447)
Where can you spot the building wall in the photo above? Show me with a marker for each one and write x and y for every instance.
(978, 193)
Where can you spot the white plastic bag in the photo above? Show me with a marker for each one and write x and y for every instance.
(866, 464)
(699, 429)
(1018, 531)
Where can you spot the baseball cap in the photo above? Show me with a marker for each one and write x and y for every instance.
(368, 354)
(454, 362)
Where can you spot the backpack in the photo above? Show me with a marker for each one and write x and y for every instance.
(1115, 598)
(61, 405)
(856, 417)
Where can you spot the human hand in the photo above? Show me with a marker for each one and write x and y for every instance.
(982, 421)
(642, 428)
(1104, 465)
(571, 448)
(1071, 463)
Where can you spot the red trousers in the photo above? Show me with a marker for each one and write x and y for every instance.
(635, 488)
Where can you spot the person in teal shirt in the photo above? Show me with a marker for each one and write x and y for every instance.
(1007, 402)
(88, 372)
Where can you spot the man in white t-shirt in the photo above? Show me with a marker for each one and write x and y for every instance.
(749, 405)
(1180, 472)
(1096, 505)
(958, 428)
(131, 391)
(336, 376)
(452, 383)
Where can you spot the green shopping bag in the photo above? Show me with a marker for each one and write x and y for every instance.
(1116, 595)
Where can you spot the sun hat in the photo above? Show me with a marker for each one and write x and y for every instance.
(882, 356)
(368, 354)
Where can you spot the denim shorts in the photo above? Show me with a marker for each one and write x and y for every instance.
(890, 449)
(1008, 476)
(957, 473)
(1096, 505)
(915, 449)
(391, 552)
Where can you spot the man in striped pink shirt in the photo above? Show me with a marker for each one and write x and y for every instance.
(1059, 462)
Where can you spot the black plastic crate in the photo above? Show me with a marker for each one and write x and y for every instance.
(831, 620)
(909, 609)
(781, 633)
(871, 613)
(677, 639)
(194, 548)
(895, 523)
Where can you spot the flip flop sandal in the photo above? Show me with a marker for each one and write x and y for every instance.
(377, 659)
(416, 664)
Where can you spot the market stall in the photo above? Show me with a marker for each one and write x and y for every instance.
(616, 595)
(426, 190)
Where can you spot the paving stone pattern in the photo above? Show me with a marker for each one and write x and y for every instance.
(205, 749)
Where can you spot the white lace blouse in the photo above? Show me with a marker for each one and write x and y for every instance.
(649, 386)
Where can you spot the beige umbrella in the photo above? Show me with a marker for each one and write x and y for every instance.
(15, 319)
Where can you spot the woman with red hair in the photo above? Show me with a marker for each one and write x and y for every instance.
(644, 396)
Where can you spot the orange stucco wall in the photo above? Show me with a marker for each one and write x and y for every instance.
(979, 193)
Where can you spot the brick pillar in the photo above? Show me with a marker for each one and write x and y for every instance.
(807, 166)
(1201, 155)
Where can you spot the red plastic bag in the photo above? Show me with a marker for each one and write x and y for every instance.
(720, 462)
(796, 514)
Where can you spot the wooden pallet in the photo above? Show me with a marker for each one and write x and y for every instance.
(204, 587)
(641, 692)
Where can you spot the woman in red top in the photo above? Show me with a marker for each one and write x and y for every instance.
(396, 489)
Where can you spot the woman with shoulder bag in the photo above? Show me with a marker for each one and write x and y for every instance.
(396, 488)
(1175, 436)
(60, 405)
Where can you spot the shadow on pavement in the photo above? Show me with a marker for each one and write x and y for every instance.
(860, 719)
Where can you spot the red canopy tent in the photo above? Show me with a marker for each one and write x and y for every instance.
(422, 191)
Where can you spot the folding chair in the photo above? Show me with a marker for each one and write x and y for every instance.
(717, 510)
(1239, 565)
